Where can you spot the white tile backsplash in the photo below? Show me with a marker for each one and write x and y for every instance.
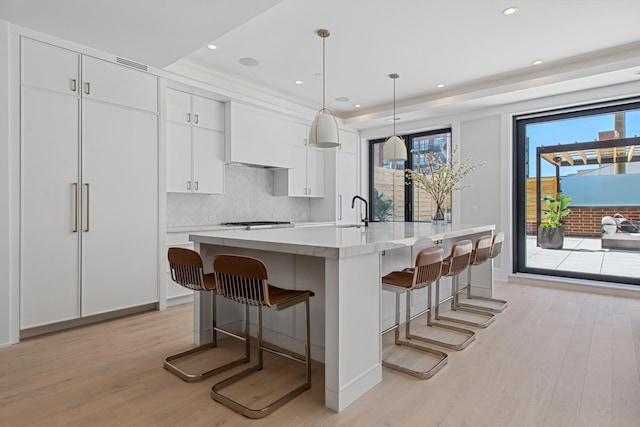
(248, 197)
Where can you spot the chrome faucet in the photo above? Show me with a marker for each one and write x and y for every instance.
(366, 209)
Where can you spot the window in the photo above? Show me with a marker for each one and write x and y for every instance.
(593, 156)
(392, 198)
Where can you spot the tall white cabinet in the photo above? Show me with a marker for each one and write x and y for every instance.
(89, 186)
(306, 176)
(195, 144)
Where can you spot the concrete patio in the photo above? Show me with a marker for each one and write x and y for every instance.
(584, 255)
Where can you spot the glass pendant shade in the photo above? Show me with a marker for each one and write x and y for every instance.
(324, 129)
(394, 150)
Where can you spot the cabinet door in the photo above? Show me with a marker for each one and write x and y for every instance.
(208, 113)
(60, 71)
(118, 84)
(208, 161)
(315, 172)
(49, 277)
(348, 141)
(120, 173)
(298, 173)
(178, 106)
(347, 185)
(179, 158)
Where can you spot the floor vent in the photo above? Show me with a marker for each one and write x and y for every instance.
(131, 64)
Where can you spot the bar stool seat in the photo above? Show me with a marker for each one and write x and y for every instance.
(426, 271)
(187, 270)
(244, 280)
(453, 266)
(486, 248)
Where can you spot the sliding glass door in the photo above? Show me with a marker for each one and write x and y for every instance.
(591, 156)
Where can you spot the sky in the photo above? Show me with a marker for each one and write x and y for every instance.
(567, 131)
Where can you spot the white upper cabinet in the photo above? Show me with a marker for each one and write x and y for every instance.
(195, 144)
(62, 67)
(306, 176)
(348, 141)
(178, 107)
(258, 137)
(208, 114)
(116, 84)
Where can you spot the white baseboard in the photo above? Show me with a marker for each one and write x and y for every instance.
(578, 285)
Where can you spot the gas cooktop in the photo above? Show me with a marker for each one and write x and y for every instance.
(252, 225)
(247, 223)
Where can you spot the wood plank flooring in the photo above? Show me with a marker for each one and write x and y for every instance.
(553, 358)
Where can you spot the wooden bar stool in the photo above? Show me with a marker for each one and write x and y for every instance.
(426, 271)
(486, 248)
(187, 270)
(244, 280)
(452, 266)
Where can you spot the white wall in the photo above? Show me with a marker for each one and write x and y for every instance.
(5, 235)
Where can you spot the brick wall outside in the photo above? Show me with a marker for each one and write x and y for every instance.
(586, 221)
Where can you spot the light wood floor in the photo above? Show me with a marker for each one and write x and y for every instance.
(553, 358)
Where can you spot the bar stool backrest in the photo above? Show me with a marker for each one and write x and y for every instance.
(187, 269)
(482, 250)
(496, 247)
(428, 267)
(460, 257)
(242, 279)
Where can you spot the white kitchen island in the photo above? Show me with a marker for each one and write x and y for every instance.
(343, 266)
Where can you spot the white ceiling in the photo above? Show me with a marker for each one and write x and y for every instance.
(481, 56)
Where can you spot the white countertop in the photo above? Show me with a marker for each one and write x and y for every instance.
(333, 241)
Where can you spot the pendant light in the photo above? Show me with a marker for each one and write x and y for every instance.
(394, 148)
(324, 129)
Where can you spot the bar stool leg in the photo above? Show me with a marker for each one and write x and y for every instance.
(442, 357)
(454, 296)
(469, 336)
(195, 377)
(502, 304)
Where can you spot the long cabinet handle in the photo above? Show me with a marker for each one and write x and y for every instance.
(196, 185)
(188, 117)
(339, 207)
(88, 213)
(188, 185)
(75, 207)
(74, 85)
(196, 118)
(87, 88)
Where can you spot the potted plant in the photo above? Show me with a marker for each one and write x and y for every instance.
(551, 232)
(440, 177)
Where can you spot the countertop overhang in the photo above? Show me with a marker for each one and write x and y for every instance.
(337, 241)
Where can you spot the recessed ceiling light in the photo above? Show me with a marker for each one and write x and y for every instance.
(440, 85)
(357, 105)
(537, 62)
(212, 47)
(510, 11)
(249, 62)
(299, 82)
(342, 99)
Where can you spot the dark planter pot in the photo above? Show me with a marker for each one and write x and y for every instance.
(550, 237)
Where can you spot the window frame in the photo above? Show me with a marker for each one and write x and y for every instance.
(408, 164)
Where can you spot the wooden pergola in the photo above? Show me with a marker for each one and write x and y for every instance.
(612, 151)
